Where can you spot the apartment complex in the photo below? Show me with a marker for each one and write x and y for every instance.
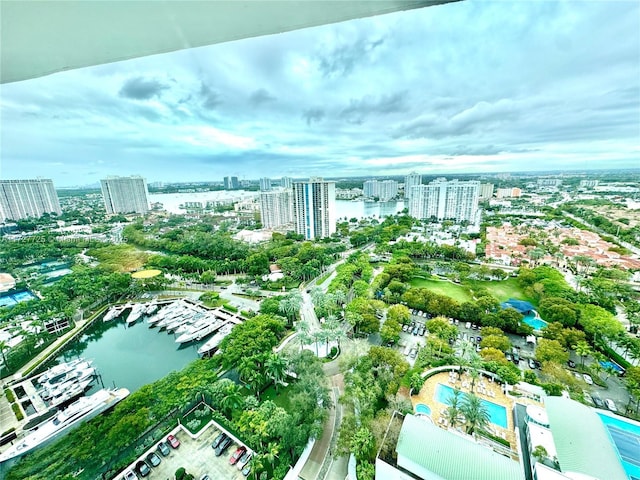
(27, 198)
(382, 190)
(508, 192)
(276, 207)
(445, 200)
(125, 194)
(411, 180)
(314, 208)
(286, 182)
(486, 191)
(265, 184)
(231, 183)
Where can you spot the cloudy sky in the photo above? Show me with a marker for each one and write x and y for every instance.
(465, 87)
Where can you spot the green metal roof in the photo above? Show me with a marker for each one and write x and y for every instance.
(582, 442)
(452, 456)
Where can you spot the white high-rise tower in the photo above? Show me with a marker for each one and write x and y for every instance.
(445, 200)
(314, 208)
(125, 194)
(27, 198)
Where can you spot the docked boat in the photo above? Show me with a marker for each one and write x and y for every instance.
(74, 391)
(73, 416)
(112, 313)
(58, 371)
(80, 371)
(199, 331)
(77, 376)
(136, 312)
(151, 309)
(215, 341)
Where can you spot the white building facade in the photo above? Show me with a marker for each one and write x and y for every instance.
(276, 208)
(314, 208)
(383, 190)
(265, 184)
(125, 194)
(411, 180)
(445, 200)
(21, 199)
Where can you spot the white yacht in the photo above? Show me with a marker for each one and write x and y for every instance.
(82, 369)
(214, 341)
(75, 390)
(112, 313)
(136, 312)
(75, 414)
(58, 371)
(151, 309)
(200, 330)
(77, 376)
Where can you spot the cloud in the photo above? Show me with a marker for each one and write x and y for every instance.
(341, 60)
(313, 115)
(141, 88)
(261, 96)
(210, 98)
(359, 109)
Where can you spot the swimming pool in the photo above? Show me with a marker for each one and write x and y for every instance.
(535, 322)
(497, 413)
(422, 408)
(613, 365)
(625, 436)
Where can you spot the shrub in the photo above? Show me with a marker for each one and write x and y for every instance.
(12, 429)
(10, 396)
(17, 411)
(180, 473)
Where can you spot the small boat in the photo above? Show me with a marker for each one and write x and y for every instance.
(71, 417)
(215, 341)
(112, 313)
(71, 393)
(151, 309)
(136, 313)
(70, 378)
(200, 331)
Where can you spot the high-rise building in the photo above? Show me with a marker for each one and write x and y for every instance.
(412, 180)
(486, 191)
(265, 184)
(276, 207)
(27, 198)
(314, 208)
(382, 190)
(445, 200)
(125, 194)
(231, 183)
(286, 182)
(508, 192)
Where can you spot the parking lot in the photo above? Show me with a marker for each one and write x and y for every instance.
(196, 456)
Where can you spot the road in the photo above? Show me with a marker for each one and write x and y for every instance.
(626, 245)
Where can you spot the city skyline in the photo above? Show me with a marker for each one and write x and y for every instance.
(459, 89)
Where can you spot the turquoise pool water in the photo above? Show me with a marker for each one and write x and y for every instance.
(613, 365)
(422, 408)
(497, 413)
(626, 438)
(9, 300)
(536, 323)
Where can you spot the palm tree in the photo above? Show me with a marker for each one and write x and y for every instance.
(452, 413)
(232, 399)
(271, 454)
(3, 347)
(584, 350)
(466, 347)
(476, 413)
(276, 368)
(303, 334)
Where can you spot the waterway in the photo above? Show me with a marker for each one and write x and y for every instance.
(131, 356)
(361, 209)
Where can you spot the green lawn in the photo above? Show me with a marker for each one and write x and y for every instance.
(280, 397)
(443, 287)
(504, 290)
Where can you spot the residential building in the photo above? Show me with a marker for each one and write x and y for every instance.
(589, 183)
(231, 183)
(440, 456)
(382, 190)
(286, 182)
(314, 208)
(265, 184)
(7, 282)
(508, 192)
(276, 207)
(445, 200)
(412, 180)
(21, 199)
(348, 194)
(125, 194)
(486, 191)
(549, 182)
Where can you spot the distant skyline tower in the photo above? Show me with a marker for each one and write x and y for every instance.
(314, 208)
(286, 182)
(20, 199)
(276, 207)
(125, 194)
(265, 184)
(486, 191)
(411, 180)
(445, 200)
(231, 183)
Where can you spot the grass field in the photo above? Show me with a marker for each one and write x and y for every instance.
(442, 287)
(503, 290)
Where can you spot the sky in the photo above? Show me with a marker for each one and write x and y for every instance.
(461, 88)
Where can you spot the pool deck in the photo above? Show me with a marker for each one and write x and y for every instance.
(484, 388)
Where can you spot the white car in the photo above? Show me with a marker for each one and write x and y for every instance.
(587, 378)
(610, 405)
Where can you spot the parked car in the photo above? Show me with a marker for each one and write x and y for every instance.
(587, 378)
(532, 363)
(413, 353)
(224, 444)
(246, 470)
(244, 459)
(610, 405)
(173, 441)
(538, 364)
(153, 459)
(597, 401)
(415, 330)
(404, 327)
(571, 364)
(130, 475)
(163, 448)
(508, 356)
(478, 347)
(205, 477)
(478, 339)
(421, 331)
(516, 357)
(587, 396)
(235, 456)
(218, 440)
(142, 468)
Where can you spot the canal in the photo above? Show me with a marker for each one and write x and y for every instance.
(128, 356)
